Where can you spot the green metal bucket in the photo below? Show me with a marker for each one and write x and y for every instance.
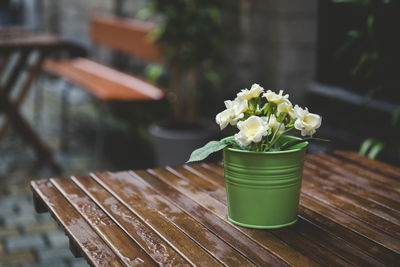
(263, 188)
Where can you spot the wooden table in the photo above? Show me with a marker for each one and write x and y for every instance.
(22, 54)
(349, 215)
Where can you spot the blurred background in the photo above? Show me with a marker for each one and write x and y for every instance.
(339, 58)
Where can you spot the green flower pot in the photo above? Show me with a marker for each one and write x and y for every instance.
(263, 188)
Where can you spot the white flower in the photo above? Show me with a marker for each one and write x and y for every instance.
(254, 91)
(274, 125)
(224, 118)
(300, 113)
(233, 113)
(238, 106)
(275, 98)
(251, 130)
(286, 107)
(306, 122)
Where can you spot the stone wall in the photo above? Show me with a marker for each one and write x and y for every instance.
(272, 43)
(267, 41)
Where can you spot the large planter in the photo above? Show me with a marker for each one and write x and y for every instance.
(174, 146)
(263, 188)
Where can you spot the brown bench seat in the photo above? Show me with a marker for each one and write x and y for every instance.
(128, 36)
(103, 82)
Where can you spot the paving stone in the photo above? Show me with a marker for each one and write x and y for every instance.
(57, 239)
(7, 206)
(44, 217)
(78, 262)
(17, 189)
(16, 243)
(51, 263)
(19, 220)
(7, 210)
(25, 207)
(49, 254)
(8, 232)
(41, 227)
(21, 257)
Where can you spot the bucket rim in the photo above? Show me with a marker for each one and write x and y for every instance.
(304, 146)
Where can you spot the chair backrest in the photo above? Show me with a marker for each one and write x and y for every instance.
(125, 35)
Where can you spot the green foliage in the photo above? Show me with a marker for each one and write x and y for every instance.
(191, 32)
(371, 147)
(288, 145)
(370, 68)
(154, 72)
(191, 37)
(211, 147)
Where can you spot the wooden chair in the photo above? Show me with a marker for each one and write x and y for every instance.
(103, 82)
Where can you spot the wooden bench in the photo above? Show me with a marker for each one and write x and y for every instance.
(104, 82)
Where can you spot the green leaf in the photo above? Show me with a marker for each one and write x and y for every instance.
(366, 145)
(376, 148)
(153, 72)
(295, 142)
(203, 152)
(371, 147)
(354, 33)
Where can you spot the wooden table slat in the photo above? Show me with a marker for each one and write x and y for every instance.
(207, 173)
(196, 179)
(264, 238)
(158, 219)
(127, 251)
(359, 180)
(135, 227)
(308, 244)
(215, 169)
(360, 208)
(376, 204)
(320, 188)
(350, 187)
(351, 223)
(219, 227)
(370, 164)
(350, 170)
(364, 190)
(361, 170)
(351, 253)
(92, 246)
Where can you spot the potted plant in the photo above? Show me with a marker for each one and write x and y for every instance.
(262, 164)
(190, 37)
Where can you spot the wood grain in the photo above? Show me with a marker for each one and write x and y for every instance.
(178, 216)
(373, 165)
(264, 238)
(120, 243)
(218, 226)
(126, 35)
(104, 82)
(78, 230)
(134, 226)
(311, 245)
